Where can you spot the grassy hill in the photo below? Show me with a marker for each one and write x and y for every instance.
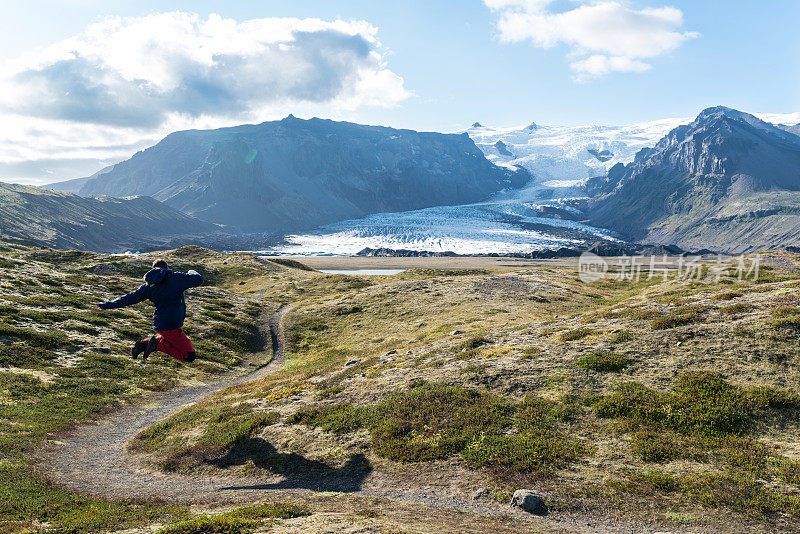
(63, 220)
(661, 404)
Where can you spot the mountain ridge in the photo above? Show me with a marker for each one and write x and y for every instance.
(727, 181)
(296, 174)
(66, 220)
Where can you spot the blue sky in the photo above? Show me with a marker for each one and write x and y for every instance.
(418, 64)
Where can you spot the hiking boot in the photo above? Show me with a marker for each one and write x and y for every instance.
(138, 348)
(152, 345)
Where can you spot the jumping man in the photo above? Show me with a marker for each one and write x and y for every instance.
(164, 288)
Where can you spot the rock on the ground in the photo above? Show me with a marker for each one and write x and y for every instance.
(529, 501)
(352, 362)
(478, 494)
(456, 332)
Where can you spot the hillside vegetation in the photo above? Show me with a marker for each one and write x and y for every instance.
(63, 362)
(643, 404)
(661, 403)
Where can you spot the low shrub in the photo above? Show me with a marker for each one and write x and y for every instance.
(672, 321)
(727, 295)
(739, 307)
(621, 337)
(204, 524)
(433, 421)
(578, 333)
(657, 447)
(701, 404)
(336, 418)
(34, 338)
(603, 361)
(791, 322)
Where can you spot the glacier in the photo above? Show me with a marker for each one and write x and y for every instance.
(560, 159)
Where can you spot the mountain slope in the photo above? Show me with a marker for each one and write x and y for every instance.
(728, 181)
(64, 220)
(293, 174)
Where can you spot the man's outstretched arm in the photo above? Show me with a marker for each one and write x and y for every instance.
(134, 297)
(189, 279)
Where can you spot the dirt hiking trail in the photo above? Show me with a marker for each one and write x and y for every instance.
(93, 459)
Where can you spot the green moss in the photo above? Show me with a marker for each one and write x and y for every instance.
(701, 404)
(792, 322)
(578, 333)
(336, 418)
(225, 430)
(622, 336)
(736, 491)
(34, 338)
(762, 397)
(535, 451)
(603, 361)
(25, 356)
(739, 307)
(204, 524)
(672, 321)
(727, 295)
(25, 497)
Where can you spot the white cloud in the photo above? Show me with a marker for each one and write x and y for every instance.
(123, 83)
(135, 71)
(603, 36)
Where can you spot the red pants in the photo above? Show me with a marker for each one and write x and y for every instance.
(176, 344)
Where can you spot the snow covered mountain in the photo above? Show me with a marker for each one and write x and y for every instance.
(566, 156)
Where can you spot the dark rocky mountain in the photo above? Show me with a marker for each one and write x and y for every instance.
(295, 174)
(601, 155)
(727, 181)
(502, 148)
(63, 220)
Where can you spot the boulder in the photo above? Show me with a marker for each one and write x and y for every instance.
(530, 501)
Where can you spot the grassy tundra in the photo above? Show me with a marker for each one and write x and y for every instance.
(628, 403)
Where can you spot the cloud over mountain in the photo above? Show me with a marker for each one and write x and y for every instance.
(602, 36)
(137, 71)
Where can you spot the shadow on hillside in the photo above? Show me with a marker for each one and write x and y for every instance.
(298, 472)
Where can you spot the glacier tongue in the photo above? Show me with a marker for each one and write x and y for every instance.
(508, 224)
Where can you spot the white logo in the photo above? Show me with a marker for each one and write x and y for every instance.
(591, 267)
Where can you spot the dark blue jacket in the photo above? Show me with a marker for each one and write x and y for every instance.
(165, 289)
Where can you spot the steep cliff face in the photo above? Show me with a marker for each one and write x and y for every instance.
(727, 181)
(64, 220)
(294, 174)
